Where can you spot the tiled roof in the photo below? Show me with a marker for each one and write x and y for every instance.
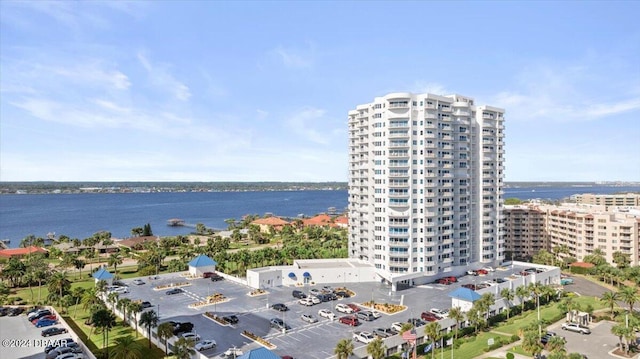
(465, 294)
(131, 242)
(271, 221)
(202, 261)
(341, 220)
(8, 253)
(582, 264)
(260, 353)
(319, 220)
(102, 274)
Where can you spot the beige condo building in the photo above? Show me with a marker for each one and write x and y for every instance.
(628, 199)
(581, 228)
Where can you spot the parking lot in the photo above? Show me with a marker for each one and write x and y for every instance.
(303, 340)
(21, 339)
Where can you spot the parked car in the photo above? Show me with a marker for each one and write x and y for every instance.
(482, 272)
(384, 332)
(327, 289)
(441, 313)
(566, 281)
(216, 278)
(545, 338)
(397, 326)
(208, 274)
(575, 327)
(354, 307)
(499, 280)
(429, 317)
(342, 294)
(363, 337)
(231, 319)
(349, 320)
(298, 294)
(331, 296)
(4, 311)
(279, 324)
(191, 336)
(365, 315)
(118, 289)
(53, 331)
(46, 323)
(138, 281)
(472, 272)
(326, 313)
(174, 291)
(469, 286)
(343, 308)
(233, 353)
(50, 316)
(38, 314)
(416, 322)
(146, 305)
(70, 356)
(66, 342)
(204, 345)
(315, 291)
(314, 299)
(56, 352)
(309, 318)
(445, 281)
(280, 307)
(488, 269)
(184, 327)
(306, 301)
(15, 311)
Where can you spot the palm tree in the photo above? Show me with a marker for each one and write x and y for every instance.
(149, 320)
(432, 330)
(630, 296)
(101, 287)
(123, 305)
(474, 317)
(165, 331)
(376, 349)
(343, 349)
(134, 309)
(522, 293)
(556, 344)
(126, 348)
(115, 259)
(531, 343)
(183, 348)
(508, 295)
(59, 283)
(619, 331)
(89, 298)
(610, 299)
(105, 320)
(456, 314)
(112, 298)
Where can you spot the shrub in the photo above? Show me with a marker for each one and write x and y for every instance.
(514, 338)
(510, 355)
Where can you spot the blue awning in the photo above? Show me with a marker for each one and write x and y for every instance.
(292, 275)
(306, 274)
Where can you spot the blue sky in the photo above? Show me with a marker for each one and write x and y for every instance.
(259, 91)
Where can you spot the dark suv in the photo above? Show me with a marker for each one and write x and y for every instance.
(182, 328)
(298, 294)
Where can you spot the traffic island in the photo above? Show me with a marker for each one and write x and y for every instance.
(259, 340)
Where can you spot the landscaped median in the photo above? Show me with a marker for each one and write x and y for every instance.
(385, 307)
(257, 292)
(214, 317)
(259, 340)
(211, 300)
(172, 285)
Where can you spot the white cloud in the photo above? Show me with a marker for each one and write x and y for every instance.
(429, 87)
(293, 58)
(305, 123)
(161, 78)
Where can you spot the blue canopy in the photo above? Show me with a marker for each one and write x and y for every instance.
(306, 274)
(292, 275)
(202, 261)
(465, 294)
(102, 274)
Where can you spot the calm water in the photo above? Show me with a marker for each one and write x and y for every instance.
(81, 215)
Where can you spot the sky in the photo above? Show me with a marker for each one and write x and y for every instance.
(260, 91)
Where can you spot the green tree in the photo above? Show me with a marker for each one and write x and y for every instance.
(146, 230)
(13, 271)
(104, 320)
(376, 349)
(556, 344)
(115, 259)
(531, 343)
(457, 315)
(343, 349)
(474, 317)
(621, 260)
(508, 295)
(629, 295)
(134, 308)
(123, 306)
(137, 231)
(610, 299)
(79, 264)
(432, 330)
(183, 348)
(619, 331)
(165, 331)
(126, 348)
(149, 319)
(60, 284)
(522, 293)
(112, 298)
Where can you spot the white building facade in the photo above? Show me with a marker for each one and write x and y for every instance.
(425, 186)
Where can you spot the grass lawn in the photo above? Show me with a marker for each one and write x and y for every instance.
(518, 350)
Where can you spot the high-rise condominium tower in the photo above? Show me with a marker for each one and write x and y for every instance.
(425, 185)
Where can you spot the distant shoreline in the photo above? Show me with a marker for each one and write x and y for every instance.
(177, 187)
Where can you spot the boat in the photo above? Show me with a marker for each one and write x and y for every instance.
(175, 222)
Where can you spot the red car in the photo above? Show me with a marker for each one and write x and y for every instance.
(429, 317)
(349, 320)
(444, 281)
(482, 272)
(51, 316)
(354, 307)
(470, 286)
(452, 279)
